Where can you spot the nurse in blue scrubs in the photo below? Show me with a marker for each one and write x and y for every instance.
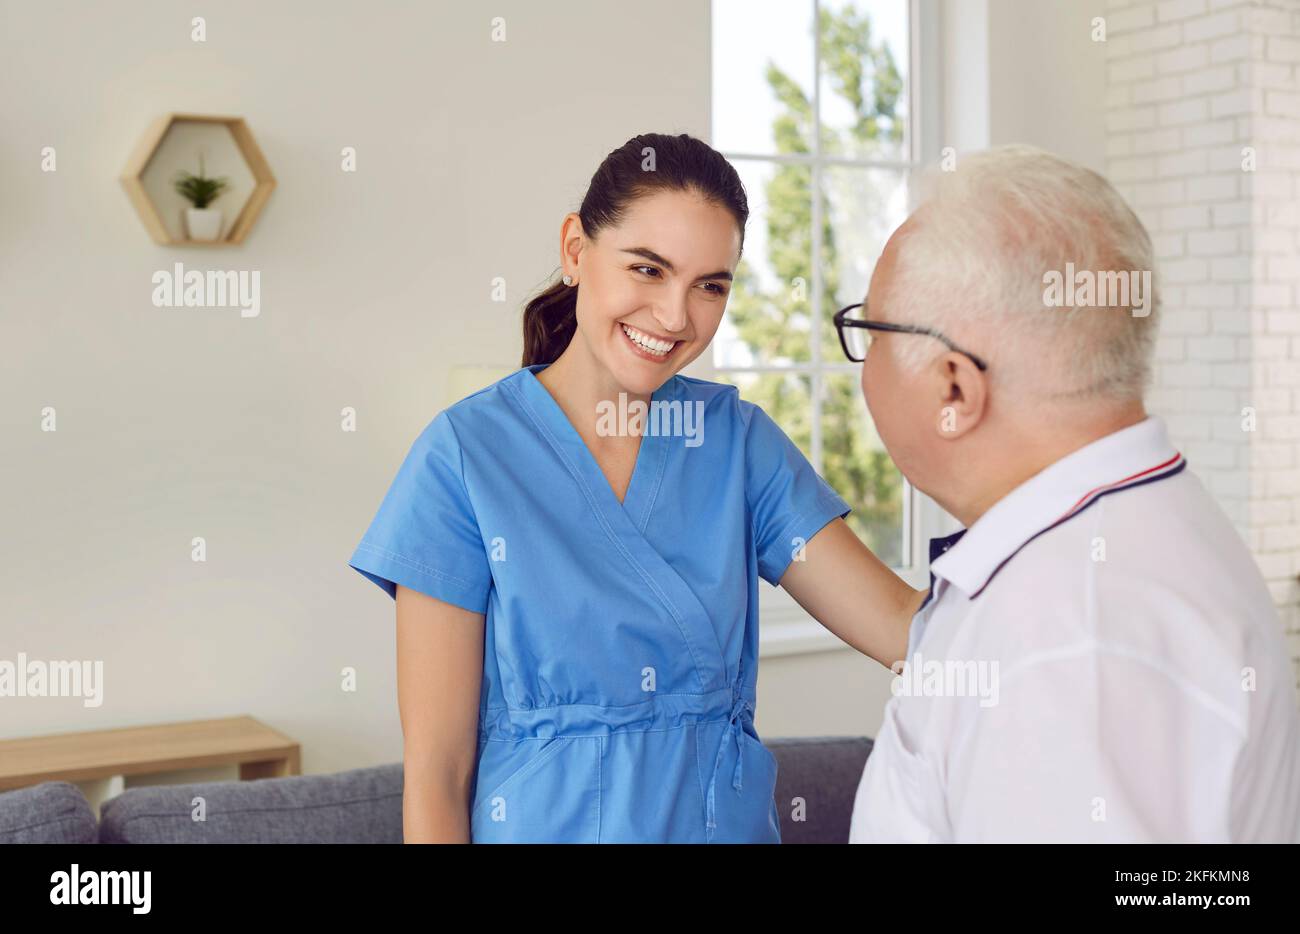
(577, 588)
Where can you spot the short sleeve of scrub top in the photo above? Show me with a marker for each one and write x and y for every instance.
(425, 535)
(789, 502)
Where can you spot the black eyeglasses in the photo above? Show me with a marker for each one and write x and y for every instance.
(855, 342)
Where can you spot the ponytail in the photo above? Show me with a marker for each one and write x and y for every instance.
(550, 321)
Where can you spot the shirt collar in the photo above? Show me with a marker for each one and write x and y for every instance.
(939, 546)
(1130, 457)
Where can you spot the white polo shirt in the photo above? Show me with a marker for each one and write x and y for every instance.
(1098, 660)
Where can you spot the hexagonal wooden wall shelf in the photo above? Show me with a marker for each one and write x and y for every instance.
(174, 142)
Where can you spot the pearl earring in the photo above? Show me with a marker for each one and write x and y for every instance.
(568, 279)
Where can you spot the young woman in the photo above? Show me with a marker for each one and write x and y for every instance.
(577, 592)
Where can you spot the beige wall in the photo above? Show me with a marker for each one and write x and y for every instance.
(1023, 71)
(175, 423)
(1048, 78)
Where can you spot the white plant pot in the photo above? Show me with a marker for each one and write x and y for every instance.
(203, 223)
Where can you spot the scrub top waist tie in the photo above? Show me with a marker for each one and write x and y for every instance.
(740, 708)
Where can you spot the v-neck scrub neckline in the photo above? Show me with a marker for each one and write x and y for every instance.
(647, 472)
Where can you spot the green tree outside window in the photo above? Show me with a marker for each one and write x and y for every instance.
(774, 324)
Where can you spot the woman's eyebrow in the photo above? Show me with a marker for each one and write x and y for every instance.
(647, 253)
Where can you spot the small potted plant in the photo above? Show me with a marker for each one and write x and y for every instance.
(201, 221)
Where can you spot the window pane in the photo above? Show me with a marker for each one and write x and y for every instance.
(864, 67)
(762, 105)
(861, 207)
(767, 318)
(786, 397)
(762, 76)
(854, 462)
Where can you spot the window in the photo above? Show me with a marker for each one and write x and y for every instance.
(821, 123)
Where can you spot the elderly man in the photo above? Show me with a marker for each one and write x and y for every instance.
(1140, 688)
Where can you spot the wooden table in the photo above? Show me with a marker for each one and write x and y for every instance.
(258, 750)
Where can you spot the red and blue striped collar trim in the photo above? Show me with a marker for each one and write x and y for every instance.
(1163, 471)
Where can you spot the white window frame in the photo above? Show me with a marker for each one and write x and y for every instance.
(786, 628)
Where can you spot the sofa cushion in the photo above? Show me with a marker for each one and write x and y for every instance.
(820, 775)
(817, 774)
(51, 812)
(357, 806)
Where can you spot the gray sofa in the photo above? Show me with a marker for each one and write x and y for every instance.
(365, 805)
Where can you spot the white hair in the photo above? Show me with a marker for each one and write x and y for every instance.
(974, 260)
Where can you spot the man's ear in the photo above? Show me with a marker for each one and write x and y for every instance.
(962, 394)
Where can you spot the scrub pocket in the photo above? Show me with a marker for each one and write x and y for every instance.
(750, 814)
(538, 791)
(762, 762)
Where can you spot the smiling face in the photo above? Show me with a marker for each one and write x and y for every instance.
(652, 290)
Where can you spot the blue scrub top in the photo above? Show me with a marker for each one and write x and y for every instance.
(621, 642)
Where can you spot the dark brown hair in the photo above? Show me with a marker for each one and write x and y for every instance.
(680, 163)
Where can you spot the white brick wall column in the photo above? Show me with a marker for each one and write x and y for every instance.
(1196, 90)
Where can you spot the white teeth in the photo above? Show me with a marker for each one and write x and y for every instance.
(646, 342)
